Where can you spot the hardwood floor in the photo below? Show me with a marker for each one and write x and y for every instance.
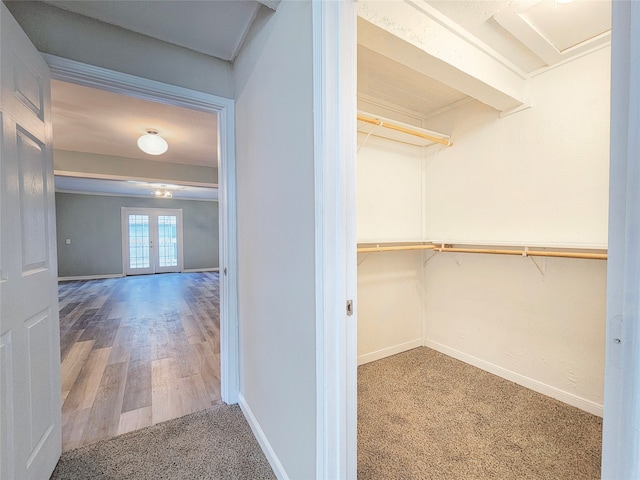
(136, 351)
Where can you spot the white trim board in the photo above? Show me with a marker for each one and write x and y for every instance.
(199, 270)
(553, 392)
(334, 147)
(621, 424)
(268, 451)
(97, 77)
(388, 351)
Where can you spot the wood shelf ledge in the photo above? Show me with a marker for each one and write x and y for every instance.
(454, 248)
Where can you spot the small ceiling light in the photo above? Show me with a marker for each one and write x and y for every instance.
(152, 143)
(163, 192)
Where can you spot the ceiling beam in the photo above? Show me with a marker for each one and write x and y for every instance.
(416, 35)
(91, 165)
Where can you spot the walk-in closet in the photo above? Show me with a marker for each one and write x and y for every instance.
(482, 172)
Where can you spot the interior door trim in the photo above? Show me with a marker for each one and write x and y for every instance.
(91, 76)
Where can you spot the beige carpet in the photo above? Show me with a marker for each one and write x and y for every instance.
(424, 415)
(211, 444)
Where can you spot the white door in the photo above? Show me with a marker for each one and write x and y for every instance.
(29, 331)
(151, 240)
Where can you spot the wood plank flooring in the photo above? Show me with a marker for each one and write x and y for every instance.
(136, 351)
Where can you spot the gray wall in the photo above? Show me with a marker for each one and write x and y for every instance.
(276, 276)
(93, 223)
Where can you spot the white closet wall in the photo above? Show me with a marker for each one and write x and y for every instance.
(389, 190)
(538, 177)
(391, 299)
(390, 286)
(544, 330)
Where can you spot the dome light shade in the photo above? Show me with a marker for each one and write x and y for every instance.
(152, 143)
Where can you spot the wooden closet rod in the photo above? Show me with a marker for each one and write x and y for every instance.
(398, 128)
(492, 251)
(395, 248)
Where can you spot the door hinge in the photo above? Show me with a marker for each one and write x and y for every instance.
(349, 307)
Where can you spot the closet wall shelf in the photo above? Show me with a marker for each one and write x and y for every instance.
(400, 132)
(522, 251)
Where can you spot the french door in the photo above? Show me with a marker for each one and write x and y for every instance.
(151, 240)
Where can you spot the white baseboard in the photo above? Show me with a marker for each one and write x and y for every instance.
(198, 270)
(387, 352)
(553, 392)
(90, 277)
(277, 467)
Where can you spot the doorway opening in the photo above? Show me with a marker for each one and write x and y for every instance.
(208, 328)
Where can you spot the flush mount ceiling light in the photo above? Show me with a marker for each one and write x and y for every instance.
(163, 192)
(152, 143)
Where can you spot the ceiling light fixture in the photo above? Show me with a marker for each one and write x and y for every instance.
(152, 143)
(163, 192)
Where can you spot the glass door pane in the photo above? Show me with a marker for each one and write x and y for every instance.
(167, 241)
(139, 244)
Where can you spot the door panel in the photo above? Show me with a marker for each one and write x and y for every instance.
(41, 393)
(167, 243)
(139, 244)
(32, 185)
(29, 329)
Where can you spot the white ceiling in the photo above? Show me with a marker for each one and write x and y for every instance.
(215, 28)
(539, 33)
(476, 16)
(552, 19)
(90, 120)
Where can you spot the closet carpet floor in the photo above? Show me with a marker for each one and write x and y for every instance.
(424, 415)
(137, 351)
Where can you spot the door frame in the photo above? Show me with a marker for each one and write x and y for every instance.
(334, 107)
(97, 77)
(151, 211)
(332, 22)
(621, 419)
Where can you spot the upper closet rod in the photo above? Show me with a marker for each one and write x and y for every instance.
(494, 251)
(398, 128)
